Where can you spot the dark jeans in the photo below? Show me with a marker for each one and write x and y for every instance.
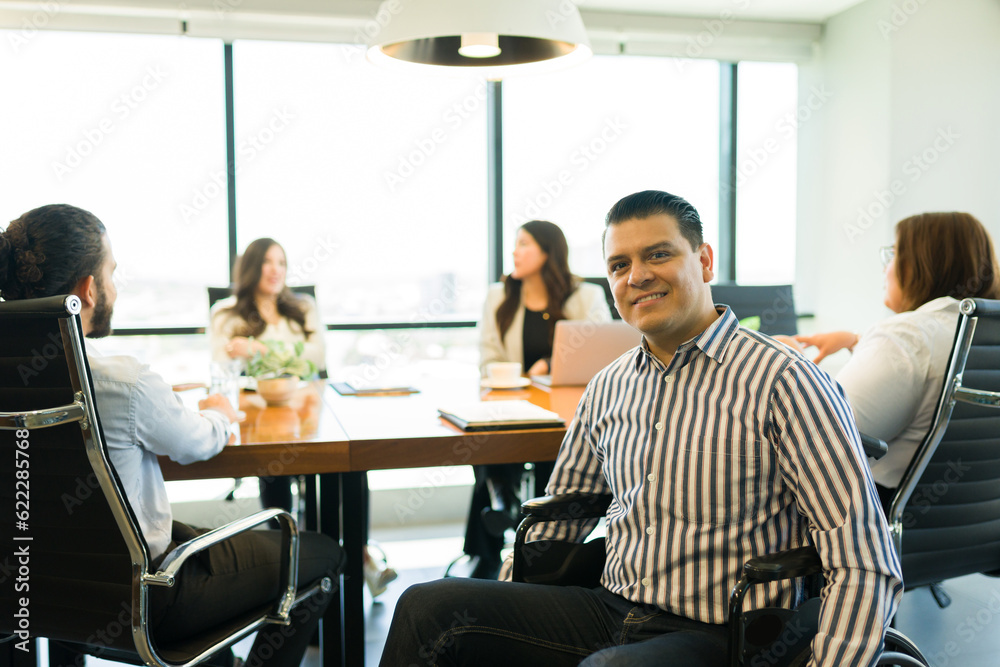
(477, 622)
(239, 576)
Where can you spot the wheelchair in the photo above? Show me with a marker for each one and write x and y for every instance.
(774, 637)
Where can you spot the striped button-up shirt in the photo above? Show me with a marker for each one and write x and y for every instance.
(739, 447)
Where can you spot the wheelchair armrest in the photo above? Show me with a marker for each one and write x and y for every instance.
(789, 564)
(567, 506)
(874, 447)
(562, 507)
(290, 546)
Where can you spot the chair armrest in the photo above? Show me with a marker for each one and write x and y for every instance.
(567, 506)
(563, 507)
(174, 560)
(789, 564)
(874, 447)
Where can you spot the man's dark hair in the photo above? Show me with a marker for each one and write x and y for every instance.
(656, 202)
(48, 250)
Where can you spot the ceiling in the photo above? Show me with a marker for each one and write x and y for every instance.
(811, 11)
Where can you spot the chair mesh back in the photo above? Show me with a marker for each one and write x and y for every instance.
(951, 524)
(78, 570)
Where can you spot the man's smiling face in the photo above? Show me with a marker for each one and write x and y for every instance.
(660, 283)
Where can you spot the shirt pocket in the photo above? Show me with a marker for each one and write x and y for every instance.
(715, 481)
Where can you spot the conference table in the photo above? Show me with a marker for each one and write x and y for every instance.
(334, 440)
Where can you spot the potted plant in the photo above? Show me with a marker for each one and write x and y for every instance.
(279, 370)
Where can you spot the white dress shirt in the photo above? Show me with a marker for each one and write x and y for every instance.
(142, 417)
(894, 380)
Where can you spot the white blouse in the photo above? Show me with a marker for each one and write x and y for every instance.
(894, 380)
(225, 324)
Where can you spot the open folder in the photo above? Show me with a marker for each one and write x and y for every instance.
(499, 415)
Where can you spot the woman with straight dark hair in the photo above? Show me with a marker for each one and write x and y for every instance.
(894, 377)
(518, 325)
(264, 308)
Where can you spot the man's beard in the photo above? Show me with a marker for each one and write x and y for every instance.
(100, 321)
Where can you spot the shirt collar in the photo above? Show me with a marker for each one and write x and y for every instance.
(713, 342)
(940, 303)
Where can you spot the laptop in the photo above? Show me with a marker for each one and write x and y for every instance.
(581, 348)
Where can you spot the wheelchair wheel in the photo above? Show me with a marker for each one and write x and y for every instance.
(900, 651)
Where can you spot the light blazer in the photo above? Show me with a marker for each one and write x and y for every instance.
(587, 302)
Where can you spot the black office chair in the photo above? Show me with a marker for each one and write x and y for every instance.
(606, 286)
(773, 304)
(90, 570)
(772, 636)
(945, 516)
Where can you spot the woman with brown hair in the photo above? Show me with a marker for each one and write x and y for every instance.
(521, 311)
(893, 379)
(518, 325)
(264, 308)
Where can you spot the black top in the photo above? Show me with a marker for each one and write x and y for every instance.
(536, 337)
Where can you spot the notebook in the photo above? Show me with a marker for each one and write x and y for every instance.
(497, 415)
(581, 348)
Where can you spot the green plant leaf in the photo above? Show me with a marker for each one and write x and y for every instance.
(279, 361)
(752, 322)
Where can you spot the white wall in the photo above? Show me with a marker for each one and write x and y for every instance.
(912, 124)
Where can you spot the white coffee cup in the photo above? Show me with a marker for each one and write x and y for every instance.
(503, 371)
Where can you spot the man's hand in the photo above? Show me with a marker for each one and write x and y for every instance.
(221, 404)
(828, 343)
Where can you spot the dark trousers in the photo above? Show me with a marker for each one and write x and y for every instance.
(479, 541)
(475, 622)
(277, 492)
(238, 576)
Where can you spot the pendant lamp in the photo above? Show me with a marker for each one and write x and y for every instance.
(493, 36)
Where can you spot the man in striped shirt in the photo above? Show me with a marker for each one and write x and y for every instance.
(717, 445)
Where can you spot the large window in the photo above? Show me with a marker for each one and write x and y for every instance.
(132, 128)
(575, 142)
(374, 181)
(767, 133)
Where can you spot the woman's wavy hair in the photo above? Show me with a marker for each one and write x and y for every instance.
(246, 278)
(48, 250)
(559, 282)
(944, 254)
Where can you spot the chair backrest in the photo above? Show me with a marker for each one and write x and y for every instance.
(773, 304)
(603, 282)
(945, 516)
(69, 520)
(216, 294)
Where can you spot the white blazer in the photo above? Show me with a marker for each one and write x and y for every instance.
(587, 302)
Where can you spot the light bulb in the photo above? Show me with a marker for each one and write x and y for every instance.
(480, 45)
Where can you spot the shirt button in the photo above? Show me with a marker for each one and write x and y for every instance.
(658, 426)
(669, 378)
(649, 531)
(651, 478)
(647, 582)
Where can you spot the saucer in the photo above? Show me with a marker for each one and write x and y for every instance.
(505, 384)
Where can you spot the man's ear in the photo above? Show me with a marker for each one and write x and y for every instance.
(86, 289)
(707, 259)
